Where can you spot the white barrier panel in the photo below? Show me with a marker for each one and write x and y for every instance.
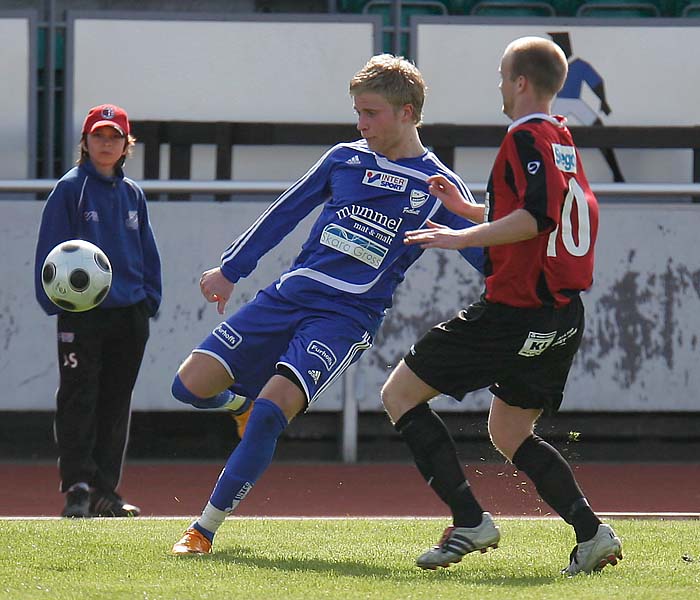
(639, 354)
(261, 70)
(15, 100)
(645, 68)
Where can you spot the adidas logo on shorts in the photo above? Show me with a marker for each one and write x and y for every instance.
(315, 375)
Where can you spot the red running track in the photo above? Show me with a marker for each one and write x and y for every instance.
(334, 490)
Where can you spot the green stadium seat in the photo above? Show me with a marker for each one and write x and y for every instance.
(459, 7)
(615, 8)
(430, 7)
(566, 8)
(409, 8)
(513, 8)
(691, 11)
(350, 6)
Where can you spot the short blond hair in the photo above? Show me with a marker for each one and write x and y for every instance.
(394, 78)
(540, 61)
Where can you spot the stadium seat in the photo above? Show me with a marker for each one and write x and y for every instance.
(409, 8)
(513, 8)
(566, 8)
(351, 6)
(432, 7)
(615, 8)
(691, 11)
(459, 7)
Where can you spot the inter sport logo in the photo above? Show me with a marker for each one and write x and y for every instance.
(385, 181)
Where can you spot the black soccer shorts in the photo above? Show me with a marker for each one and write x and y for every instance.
(522, 355)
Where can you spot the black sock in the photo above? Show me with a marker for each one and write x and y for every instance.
(436, 458)
(556, 484)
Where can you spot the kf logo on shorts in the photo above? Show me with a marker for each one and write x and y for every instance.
(537, 343)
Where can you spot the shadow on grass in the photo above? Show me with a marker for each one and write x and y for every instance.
(405, 571)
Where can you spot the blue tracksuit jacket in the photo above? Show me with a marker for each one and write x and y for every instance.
(111, 213)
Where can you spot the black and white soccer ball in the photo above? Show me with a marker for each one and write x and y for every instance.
(76, 275)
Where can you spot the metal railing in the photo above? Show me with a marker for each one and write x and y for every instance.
(157, 186)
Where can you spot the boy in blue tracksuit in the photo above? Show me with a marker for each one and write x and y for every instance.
(297, 336)
(100, 350)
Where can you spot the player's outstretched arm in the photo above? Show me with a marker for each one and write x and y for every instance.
(448, 193)
(216, 288)
(517, 226)
(438, 236)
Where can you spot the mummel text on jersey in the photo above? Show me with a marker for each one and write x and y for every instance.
(354, 256)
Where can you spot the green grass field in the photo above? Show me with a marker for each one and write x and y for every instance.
(312, 559)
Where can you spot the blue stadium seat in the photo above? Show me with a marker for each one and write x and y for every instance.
(513, 8)
(615, 8)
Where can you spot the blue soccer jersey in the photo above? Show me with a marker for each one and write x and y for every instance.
(354, 256)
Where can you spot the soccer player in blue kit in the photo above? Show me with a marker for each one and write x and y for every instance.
(297, 336)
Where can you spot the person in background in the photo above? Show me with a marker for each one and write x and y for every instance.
(539, 233)
(100, 350)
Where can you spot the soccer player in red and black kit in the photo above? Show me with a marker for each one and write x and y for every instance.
(539, 227)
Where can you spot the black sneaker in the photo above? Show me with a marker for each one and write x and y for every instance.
(77, 504)
(110, 504)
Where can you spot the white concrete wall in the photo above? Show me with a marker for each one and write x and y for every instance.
(640, 350)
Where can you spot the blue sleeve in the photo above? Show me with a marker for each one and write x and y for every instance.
(58, 223)
(474, 256)
(278, 220)
(590, 75)
(151, 260)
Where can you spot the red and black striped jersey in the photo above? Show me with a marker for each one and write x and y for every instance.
(538, 169)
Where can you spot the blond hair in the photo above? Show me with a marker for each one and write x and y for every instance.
(394, 78)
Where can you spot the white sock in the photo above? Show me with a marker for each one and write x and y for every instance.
(234, 403)
(212, 517)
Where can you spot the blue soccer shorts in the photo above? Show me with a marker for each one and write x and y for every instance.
(271, 332)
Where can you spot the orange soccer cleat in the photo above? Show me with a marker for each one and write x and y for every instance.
(240, 414)
(192, 542)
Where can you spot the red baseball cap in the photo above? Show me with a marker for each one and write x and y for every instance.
(107, 115)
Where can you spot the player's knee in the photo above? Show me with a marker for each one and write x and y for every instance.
(403, 391)
(505, 440)
(391, 397)
(499, 441)
(181, 393)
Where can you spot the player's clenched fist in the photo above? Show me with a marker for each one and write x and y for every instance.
(216, 288)
(447, 193)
